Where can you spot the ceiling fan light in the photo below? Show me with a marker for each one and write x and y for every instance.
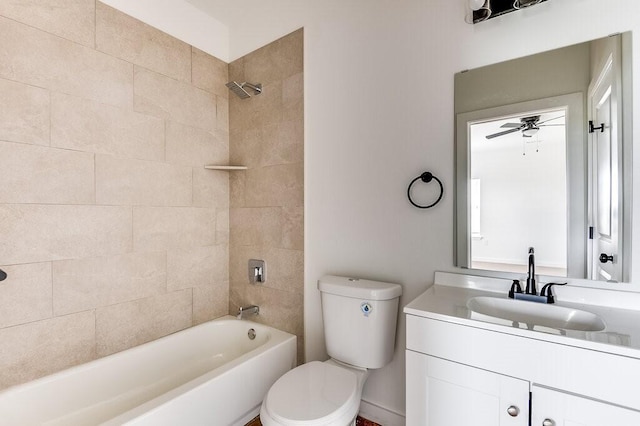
(530, 131)
(476, 4)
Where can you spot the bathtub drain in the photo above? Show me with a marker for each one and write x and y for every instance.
(251, 334)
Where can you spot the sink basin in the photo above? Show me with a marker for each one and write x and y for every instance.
(532, 313)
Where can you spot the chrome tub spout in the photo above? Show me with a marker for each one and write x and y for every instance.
(248, 310)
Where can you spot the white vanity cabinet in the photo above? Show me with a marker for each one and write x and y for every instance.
(465, 372)
(553, 408)
(444, 393)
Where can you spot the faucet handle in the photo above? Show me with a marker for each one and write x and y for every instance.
(515, 288)
(546, 291)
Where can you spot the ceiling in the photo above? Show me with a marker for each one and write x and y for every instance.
(255, 23)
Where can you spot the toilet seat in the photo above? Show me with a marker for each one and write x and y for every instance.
(314, 394)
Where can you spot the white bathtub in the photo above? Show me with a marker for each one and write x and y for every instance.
(211, 374)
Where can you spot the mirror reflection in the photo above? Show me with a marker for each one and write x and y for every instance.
(532, 172)
(518, 182)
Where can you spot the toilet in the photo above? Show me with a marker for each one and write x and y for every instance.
(360, 329)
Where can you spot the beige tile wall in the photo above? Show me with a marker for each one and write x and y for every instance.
(112, 233)
(267, 215)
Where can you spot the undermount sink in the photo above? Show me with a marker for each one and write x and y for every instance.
(532, 313)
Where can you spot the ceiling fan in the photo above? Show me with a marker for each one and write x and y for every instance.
(528, 125)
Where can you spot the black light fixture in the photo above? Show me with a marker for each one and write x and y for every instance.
(521, 4)
(482, 10)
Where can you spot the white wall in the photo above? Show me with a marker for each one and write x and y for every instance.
(379, 111)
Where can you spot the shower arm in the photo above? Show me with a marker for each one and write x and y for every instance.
(256, 87)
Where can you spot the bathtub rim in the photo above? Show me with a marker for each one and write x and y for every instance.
(148, 407)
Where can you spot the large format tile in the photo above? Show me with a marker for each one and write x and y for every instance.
(210, 188)
(25, 295)
(269, 145)
(140, 182)
(40, 233)
(163, 228)
(197, 267)
(84, 284)
(277, 60)
(222, 114)
(36, 174)
(127, 38)
(195, 147)
(281, 185)
(222, 226)
(237, 189)
(293, 99)
(122, 326)
(70, 19)
(39, 348)
(167, 98)
(256, 227)
(209, 73)
(210, 302)
(260, 110)
(90, 126)
(44, 60)
(24, 113)
(293, 228)
(293, 89)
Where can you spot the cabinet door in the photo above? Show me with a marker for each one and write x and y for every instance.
(553, 408)
(445, 393)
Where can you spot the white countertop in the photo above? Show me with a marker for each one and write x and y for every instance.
(447, 301)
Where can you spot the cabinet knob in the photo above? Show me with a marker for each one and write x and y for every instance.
(513, 411)
(548, 422)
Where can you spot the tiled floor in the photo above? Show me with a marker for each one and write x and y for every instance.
(359, 422)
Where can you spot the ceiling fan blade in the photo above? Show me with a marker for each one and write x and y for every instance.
(551, 119)
(506, 132)
(505, 125)
(550, 125)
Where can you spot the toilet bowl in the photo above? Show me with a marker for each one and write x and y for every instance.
(360, 327)
(315, 394)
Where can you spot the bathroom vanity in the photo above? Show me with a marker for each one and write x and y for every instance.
(473, 362)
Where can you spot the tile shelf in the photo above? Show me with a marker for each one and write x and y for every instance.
(228, 168)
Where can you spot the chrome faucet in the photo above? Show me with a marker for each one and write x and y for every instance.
(248, 310)
(531, 275)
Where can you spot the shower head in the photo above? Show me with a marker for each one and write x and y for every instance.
(239, 88)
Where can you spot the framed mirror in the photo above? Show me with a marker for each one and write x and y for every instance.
(531, 171)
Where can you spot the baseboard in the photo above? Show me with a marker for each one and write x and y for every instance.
(380, 415)
(250, 418)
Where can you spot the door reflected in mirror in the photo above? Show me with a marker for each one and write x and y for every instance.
(529, 173)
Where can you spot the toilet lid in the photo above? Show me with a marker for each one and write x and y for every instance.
(314, 392)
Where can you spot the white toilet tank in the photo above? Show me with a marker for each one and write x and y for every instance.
(359, 319)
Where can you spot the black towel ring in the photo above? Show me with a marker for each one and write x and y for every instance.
(425, 177)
